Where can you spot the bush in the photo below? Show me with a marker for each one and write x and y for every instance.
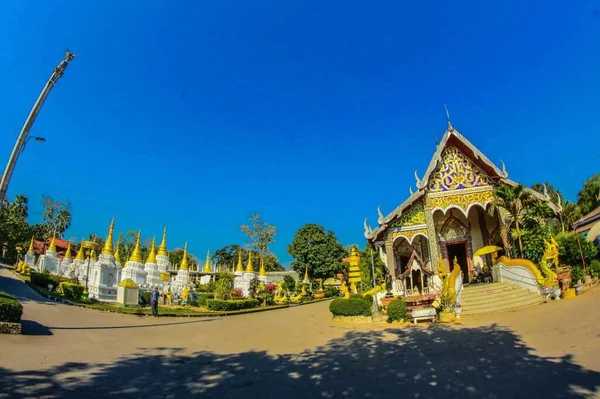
(397, 310)
(224, 286)
(145, 297)
(5, 295)
(368, 298)
(11, 310)
(331, 292)
(221, 305)
(72, 291)
(568, 249)
(202, 298)
(210, 287)
(576, 274)
(45, 278)
(288, 283)
(350, 307)
(595, 268)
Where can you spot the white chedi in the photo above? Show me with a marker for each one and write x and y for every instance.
(183, 274)
(104, 274)
(30, 256)
(66, 266)
(151, 268)
(134, 268)
(49, 261)
(162, 256)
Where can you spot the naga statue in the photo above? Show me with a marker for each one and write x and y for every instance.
(550, 256)
(345, 290)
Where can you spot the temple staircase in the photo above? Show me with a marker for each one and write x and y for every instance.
(496, 297)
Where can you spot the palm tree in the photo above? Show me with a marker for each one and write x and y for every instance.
(514, 200)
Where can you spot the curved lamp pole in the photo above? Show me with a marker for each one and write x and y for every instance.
(23, 136)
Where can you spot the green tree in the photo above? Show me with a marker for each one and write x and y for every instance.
(260, 233)
(56, 216)
(228, 257)
(569, 252)
(317, 250)
(588, 198)
(14, 228)
(176, 255)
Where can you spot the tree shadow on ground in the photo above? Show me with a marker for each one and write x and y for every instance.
(435, 362)
(31, 327)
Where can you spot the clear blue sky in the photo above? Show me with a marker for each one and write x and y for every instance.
(195, 113)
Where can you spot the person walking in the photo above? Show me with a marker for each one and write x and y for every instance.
(154, 301)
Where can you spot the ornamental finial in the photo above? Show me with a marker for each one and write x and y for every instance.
(68, 252)
(207, 266)
(30, 250)
(80, 253)
(152, 254)
(419, 181)
(262, 272)
(240, 266)
(162, 250)
(136, 255)
(380, 218)
(410, 190)
(504, 172)
(117, 255)
(450, 128)
(52, 246)
(249, 267)
(108, 248)
(184, 261)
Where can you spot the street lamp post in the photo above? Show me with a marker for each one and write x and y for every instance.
(22, 139)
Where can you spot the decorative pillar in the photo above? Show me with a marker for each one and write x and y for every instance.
(389, 255)
(432, 235)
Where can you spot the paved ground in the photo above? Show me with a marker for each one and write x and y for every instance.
(551, 350)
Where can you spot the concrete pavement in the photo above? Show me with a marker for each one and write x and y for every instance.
(550, 350)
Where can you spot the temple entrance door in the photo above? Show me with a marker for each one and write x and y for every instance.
(459, 251)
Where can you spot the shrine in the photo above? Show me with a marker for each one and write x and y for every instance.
(446, 220)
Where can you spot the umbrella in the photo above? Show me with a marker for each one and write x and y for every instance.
(490, 249)
(594, 232)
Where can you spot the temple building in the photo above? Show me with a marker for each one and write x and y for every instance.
(446, 220)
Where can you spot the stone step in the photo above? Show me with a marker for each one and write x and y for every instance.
(503, 307)
(505, 290)
(491, 299)
(483, 287)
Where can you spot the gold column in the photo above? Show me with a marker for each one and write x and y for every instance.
(434, 252)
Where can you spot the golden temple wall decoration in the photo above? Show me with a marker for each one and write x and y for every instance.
(455, 172)
(415, 216)
(463, 201)
(409, 234)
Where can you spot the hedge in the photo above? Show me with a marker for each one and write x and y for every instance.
(6, 295)
(222, 305)
(11, 310)
(45, 278)
(202, 298)
(71, 290)
(397, 310)
(331, 292)
(350, 307)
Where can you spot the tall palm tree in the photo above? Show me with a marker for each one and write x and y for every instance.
(514, 200)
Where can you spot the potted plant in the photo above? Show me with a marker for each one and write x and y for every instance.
(457, 309)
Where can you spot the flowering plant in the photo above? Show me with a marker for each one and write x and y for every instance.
(237, 293)
(271, 288)
(457, 305)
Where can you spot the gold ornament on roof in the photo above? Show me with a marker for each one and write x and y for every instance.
(463, 200)
(240, 265)
(52, 246)
(456, 171)
(108, 248)
(249, 267)
(80, 253)
(117, 255)
(184, 261)
(162, 249)
(30, 250)
(136, 254)
(68, 252)
(207, 266)
(262, 272)
(152, 254)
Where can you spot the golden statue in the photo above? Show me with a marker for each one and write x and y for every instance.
(550, 255)
(185, 294)
(344, 290)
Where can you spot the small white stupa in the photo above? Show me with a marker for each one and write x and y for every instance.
(162, 256)
(243, 281)
(134, 268)
(49, 261)
(104, 272)
(151, 267)
(183, 274)
(30, 255)
(66, 266)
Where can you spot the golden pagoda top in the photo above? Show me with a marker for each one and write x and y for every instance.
(108, 248)
(262, 272)
(93, 255)
(30, 245)
(152, 254)
(117, 255)
(80, 253)
(306, 273)
(136, 255)
(162, 249)
(184, 261)
(68, 252)
(207, 267)
(52, 246)
(249, 267)
(240, 265)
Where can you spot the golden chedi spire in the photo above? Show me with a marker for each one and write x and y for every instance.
(249, 268)
(152, 254)
(52, 246)
(117, 255)
(162, 249)
(184, 261)
(30, 245)
(240, 265)
(207, 266)
(306, 273)
(262, 272)
(109, 246)
(80, 253)
(68, 252)
(136, 255)
(93, 255)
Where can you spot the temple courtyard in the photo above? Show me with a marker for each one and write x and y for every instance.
(549, 350)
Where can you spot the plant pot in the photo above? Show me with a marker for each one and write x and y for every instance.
(457, 312)
(447, 317)
(578, 289)
(569, 293)
(386, 301)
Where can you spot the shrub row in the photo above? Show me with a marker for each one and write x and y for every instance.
(331, 292)
(350, 307)
(202, 298)
(397, 310)
(223, 305)
(45, 278)
(11, 310)
(71, 290)
(5, 295)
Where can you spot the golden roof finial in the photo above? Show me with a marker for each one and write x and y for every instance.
(262, 272)
(30, 245)
(136, 255)
(152, 254)
(240, 265)
(249, 268)
(52, 246)
(117, 255)
(162, 250)
(68, 252)
(108, 244)
(184, 261)
(207, 267)
(450, 128)
(80, 253)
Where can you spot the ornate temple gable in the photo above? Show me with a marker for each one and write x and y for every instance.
(414, 216)
(456, 172)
